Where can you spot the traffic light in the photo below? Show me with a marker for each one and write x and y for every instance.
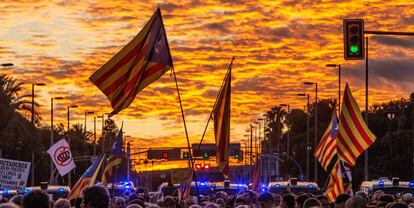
(164, 155)
(206, 166)
(354, 39)
(206, 155)
(237, 155)
(198, 166)
(186, 155)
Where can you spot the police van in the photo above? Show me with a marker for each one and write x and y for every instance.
(294, 186)
(229, 188)
(204, 188)
(393, 186)
(54, 192)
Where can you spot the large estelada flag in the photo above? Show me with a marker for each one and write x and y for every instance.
(339, 181)
(142, 61)
(114, 159)
(354, 137)
(326, 149)
(221, 116)
(87, 179)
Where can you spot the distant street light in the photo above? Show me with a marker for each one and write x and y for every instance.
(339, 82)
(32, 121)
(307, 134)
(315, 139)
(87, 113)
(70, 172)
(52, 135)
(7, 64)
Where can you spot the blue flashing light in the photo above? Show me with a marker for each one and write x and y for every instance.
(411, 184)
(381, 183)
(240, 185)
(25, 191)
(277, 186)
(127, 187)
(263, 190)
(213, 186)
(310, 186)
(202, 184)
(5, 191)
(61, 190)
(263, 185)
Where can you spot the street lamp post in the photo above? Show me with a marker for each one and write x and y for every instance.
(52, 134)
(33, 123)
(87, 113)
(288, 130)
(307, 135)
(315, 139)
(339, 82)
(70, 172)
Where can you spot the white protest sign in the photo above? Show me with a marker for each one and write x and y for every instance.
(13, 174)
(62, 157)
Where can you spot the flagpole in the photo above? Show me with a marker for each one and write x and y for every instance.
(185, 129)
(212, 110)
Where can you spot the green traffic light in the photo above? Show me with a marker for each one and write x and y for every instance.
(354, 49)
(205, 154)
(236, 156)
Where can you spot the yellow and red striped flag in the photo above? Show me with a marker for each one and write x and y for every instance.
(142, 61)
(339, 181)
(114, 159)
(221, 116)
(326, 148)
(354, 137)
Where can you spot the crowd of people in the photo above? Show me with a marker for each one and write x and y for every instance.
(98, 197)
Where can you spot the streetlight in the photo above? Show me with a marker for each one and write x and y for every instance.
(315, 139)
(94, 133)
(32, 121)
(339, 82)
(7, 64)
(288, 131)
(70, 172)
(87, 113)
(307, 135)
(33, 95)
(52, 134)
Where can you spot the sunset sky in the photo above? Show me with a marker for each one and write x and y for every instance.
(278, 45)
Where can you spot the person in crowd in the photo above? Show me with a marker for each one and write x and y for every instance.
(119, 202)
(36, 199)
(61, 203)
(356, 202)
(265, 200)
(341, 199)
(288, 201)
(17, 200)
(362, 195)
(312, 203)
(9, 205)
(397, 205)
(169, 202)
(134, 206)
(95, 197)
(324, 201)
(300, 200)
(407, 198)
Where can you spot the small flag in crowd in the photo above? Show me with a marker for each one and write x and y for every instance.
(326, 148)
(87, 179)
(114, 159)
(354, 137)
(339, 181)
(142, 61)
(185, 187)
(62, 157)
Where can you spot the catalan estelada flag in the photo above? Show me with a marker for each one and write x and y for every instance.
(142, 61)
(114, 159)
(221, 116)
(87, 179)
(326, 149)
(354, 137)
(339, 181)
(185, 187)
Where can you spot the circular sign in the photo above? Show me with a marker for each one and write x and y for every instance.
(62, 156)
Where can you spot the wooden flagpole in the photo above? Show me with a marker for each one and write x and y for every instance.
(186, 132)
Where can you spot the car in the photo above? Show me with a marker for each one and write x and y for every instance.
(230, 188)
(393, 186)
(54, 192)
(204, 188)
(294, 186)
